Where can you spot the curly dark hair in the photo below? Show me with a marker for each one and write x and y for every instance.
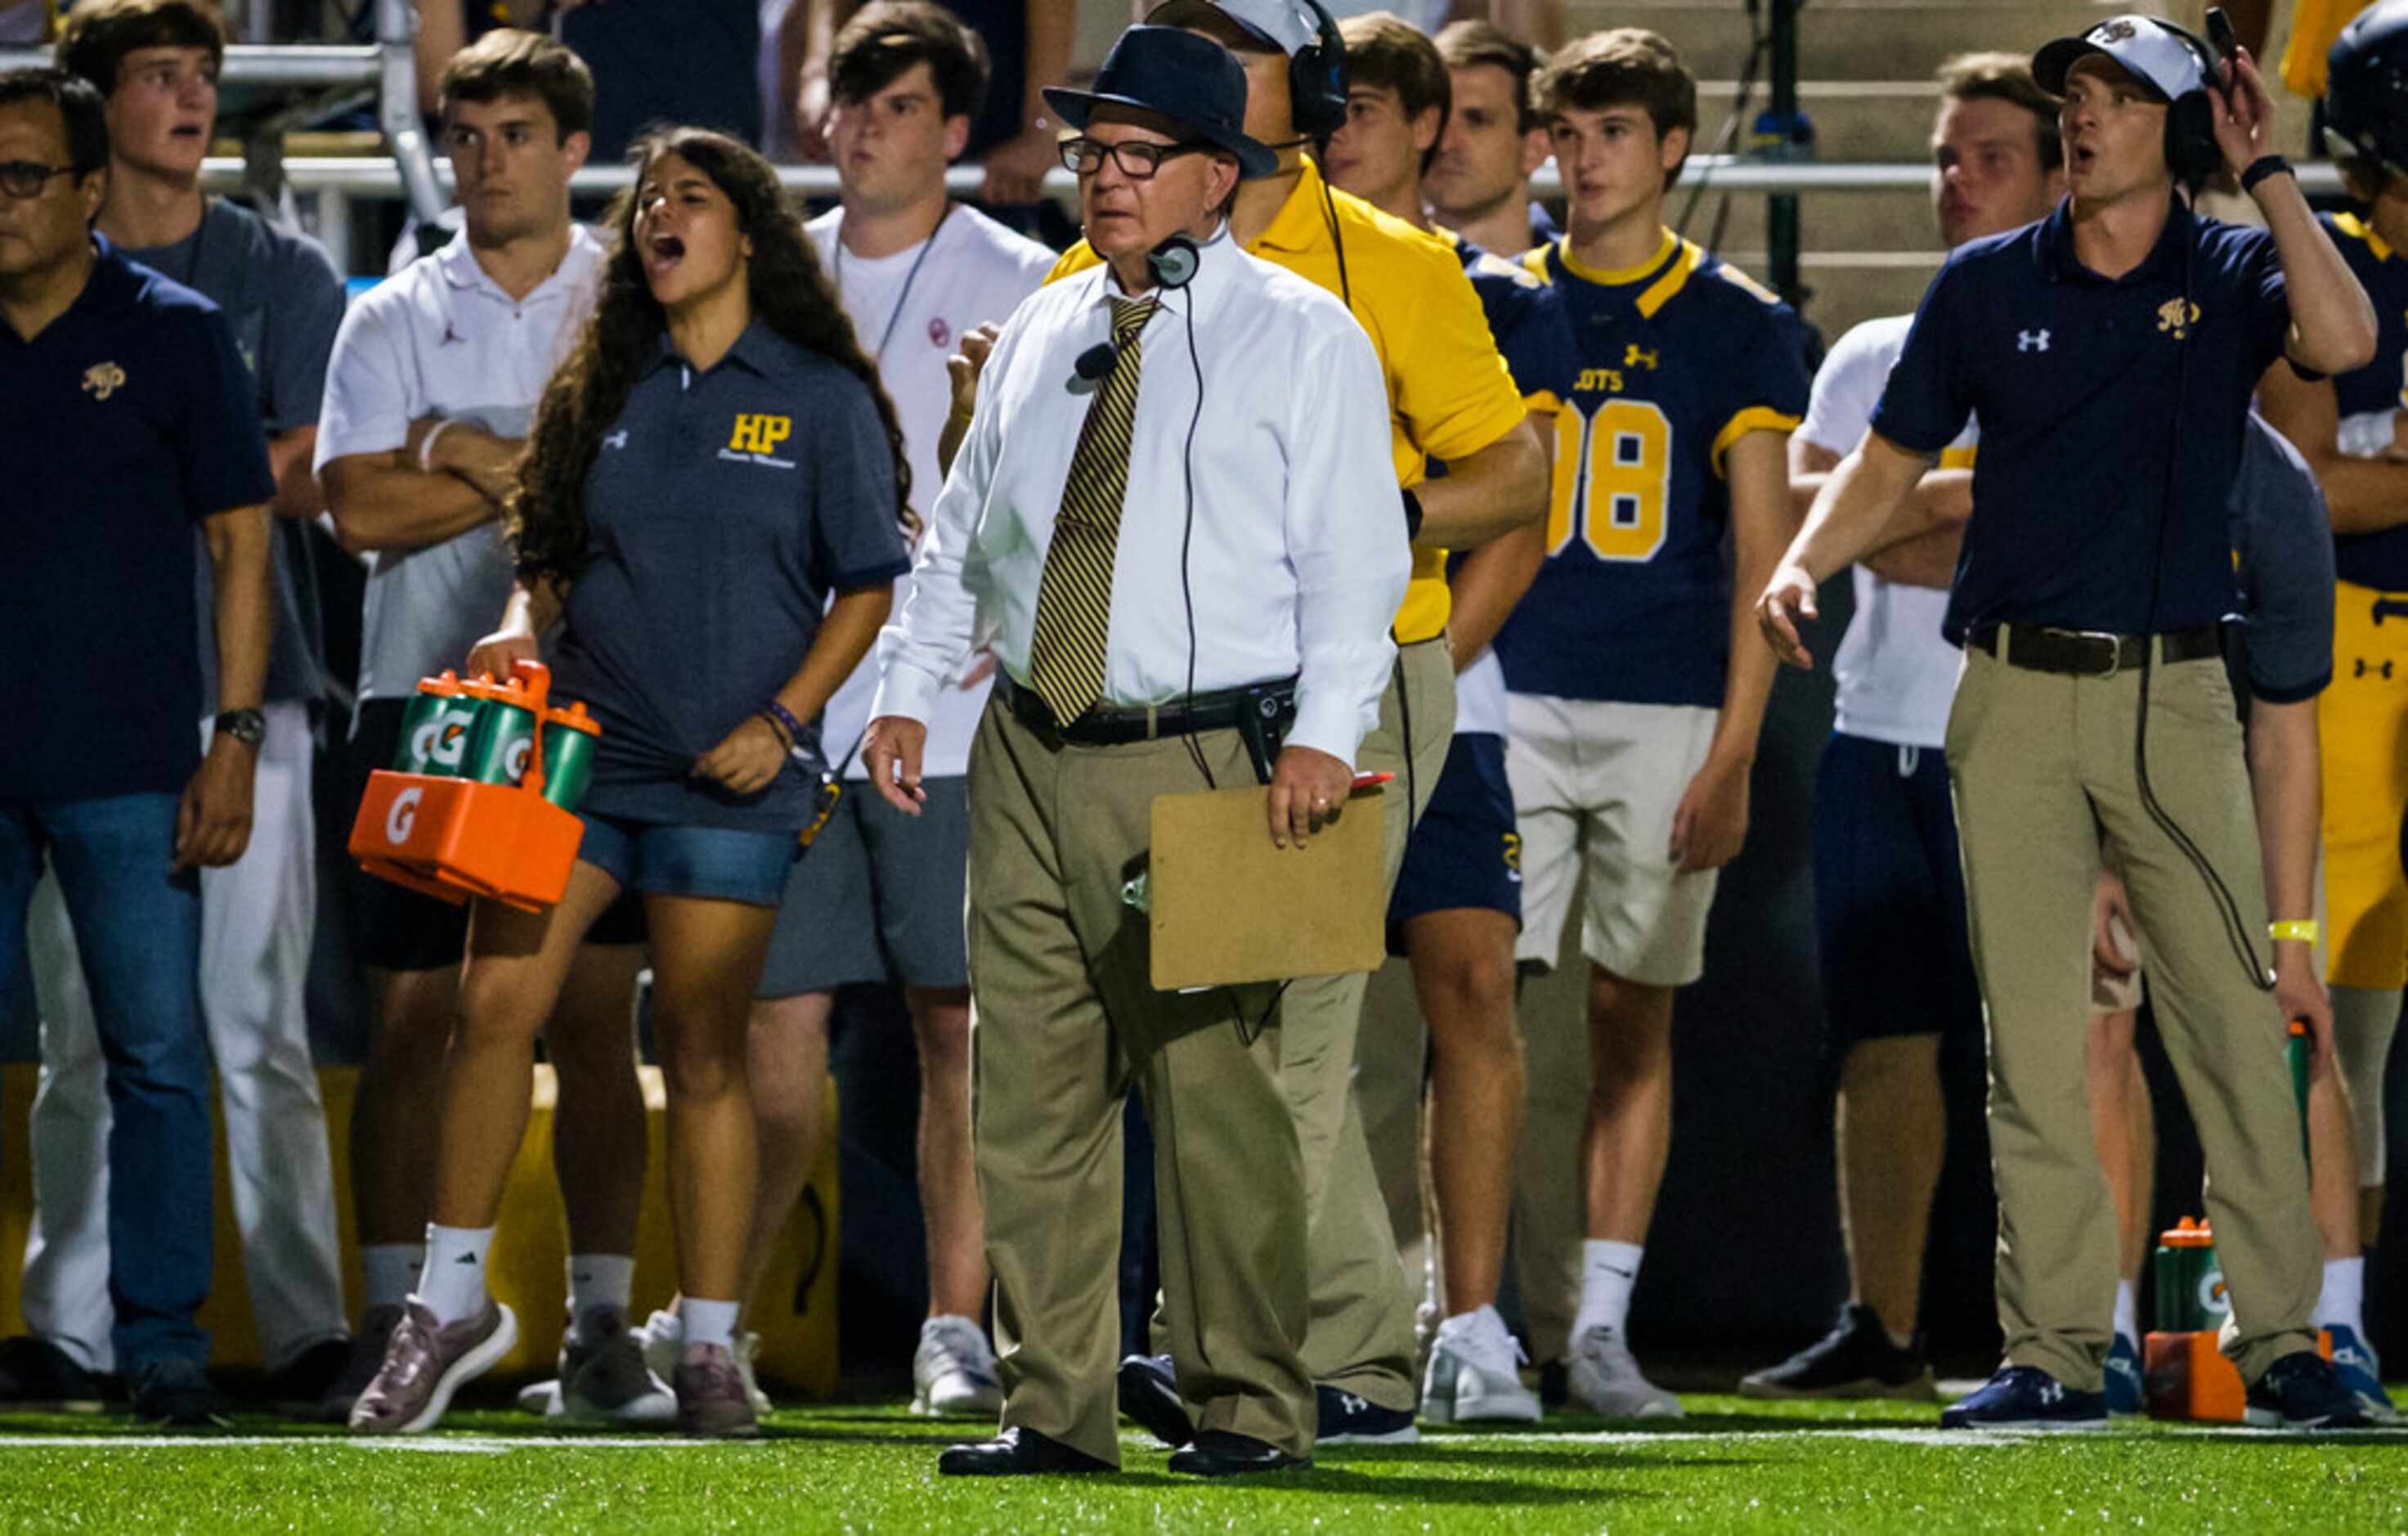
(545, 515)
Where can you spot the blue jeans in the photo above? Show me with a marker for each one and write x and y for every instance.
(139, 931)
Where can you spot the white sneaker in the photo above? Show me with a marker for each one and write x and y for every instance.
(748, 1345)
(1606, 1380)
(952, 1371)
(663, 1336)
(1474, 1373)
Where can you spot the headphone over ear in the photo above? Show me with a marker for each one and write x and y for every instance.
(1316, 78)
(2191, 153)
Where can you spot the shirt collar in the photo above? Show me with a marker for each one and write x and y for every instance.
(1303, 222)
(2058, 261)
(459, 266)
(755, 350)
(1214, 271)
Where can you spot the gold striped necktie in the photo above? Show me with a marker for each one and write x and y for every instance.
(1074, 598)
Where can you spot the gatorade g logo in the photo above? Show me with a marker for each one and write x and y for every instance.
(2211, 1292)
(401, 818)
(441, 740)
(514, 759)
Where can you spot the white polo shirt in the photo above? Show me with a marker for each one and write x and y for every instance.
(441, 339)
(910, 310)
(1895, 676)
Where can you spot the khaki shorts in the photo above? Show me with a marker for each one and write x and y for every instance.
(1594, 788)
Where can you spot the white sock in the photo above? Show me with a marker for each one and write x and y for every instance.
(2128, 1314)
(453, 1283)
(1607, 1272)
(391, 1271)
(600, 1283)
(708, 1322)
(2345, 1294)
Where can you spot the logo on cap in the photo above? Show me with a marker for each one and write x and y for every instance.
(2117, 30)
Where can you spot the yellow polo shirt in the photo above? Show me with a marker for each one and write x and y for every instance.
(1449, 392)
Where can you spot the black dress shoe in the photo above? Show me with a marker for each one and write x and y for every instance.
(1217, 1452)
(1016, 1451)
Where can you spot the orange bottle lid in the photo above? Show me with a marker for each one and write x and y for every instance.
(2190, 1233)
(574, 717)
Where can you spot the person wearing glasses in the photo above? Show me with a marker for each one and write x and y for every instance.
(130, 422)
(1173, 504)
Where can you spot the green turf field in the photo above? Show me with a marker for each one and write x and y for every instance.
(1856, 1467)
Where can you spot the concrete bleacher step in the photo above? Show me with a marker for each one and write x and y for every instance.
(1852, 39)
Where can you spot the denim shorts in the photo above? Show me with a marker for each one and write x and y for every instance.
(716, 863)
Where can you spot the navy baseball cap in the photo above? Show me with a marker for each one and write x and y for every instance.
(1192, 82)
(2161, 56)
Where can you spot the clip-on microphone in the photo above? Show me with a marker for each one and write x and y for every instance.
(1175, 262)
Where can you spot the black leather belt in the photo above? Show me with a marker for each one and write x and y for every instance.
(1117, 725)
(2090, 652)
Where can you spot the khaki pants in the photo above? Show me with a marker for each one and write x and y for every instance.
(1361, 1338)
(2046, 783)
(1064, 1015)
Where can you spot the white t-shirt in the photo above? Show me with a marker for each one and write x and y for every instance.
(975, 271)
(1480, 696)
(1895, 676)
(441, 339)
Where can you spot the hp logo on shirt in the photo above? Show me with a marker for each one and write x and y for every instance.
(2031, 341)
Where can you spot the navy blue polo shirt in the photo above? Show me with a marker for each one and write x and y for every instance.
(2283, 548)
(723, 508)
(2379, 559)
(2095, 396)
(128, 418)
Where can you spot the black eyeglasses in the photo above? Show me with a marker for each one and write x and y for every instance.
(27, 178)
(1137, 159)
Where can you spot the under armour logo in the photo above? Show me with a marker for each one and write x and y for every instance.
(2052, 1393)
(2362, 670)
(450, 335)
(616, 440)
(1633, 358)
(2031, 341)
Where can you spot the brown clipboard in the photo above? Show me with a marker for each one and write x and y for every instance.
(1229, 906)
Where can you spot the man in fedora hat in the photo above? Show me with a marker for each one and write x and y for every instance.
(1172, 511)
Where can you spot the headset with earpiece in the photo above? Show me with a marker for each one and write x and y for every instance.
(1316, 77)
(2191, 153)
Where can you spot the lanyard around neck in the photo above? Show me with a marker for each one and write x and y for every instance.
(895, 315)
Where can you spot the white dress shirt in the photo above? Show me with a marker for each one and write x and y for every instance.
(1297, 558)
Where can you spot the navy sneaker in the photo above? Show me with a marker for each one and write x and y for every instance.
(2361, 1375)
(2299, 1391)
(2024, 1397)
(1150, 1394)
(2126, 1394)
(1345, 1419)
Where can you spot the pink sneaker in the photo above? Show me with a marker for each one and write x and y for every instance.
(711, 1400)
(425, 1362)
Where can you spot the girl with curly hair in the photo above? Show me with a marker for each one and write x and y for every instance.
(710, 511)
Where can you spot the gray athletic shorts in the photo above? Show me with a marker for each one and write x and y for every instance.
(877, 897)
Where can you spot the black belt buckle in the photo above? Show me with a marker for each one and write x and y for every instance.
(1264, 715)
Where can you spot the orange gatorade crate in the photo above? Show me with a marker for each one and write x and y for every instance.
(2190, 1378)
(465, 812)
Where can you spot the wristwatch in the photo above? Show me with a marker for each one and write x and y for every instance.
(248, 727)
